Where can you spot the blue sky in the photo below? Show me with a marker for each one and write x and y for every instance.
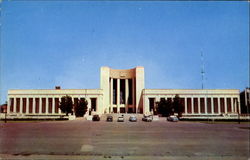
(44, 44)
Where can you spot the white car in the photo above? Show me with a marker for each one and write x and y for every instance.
(148, 118)
(120, 119)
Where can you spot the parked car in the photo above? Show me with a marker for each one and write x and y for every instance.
(109, 119)
(96, 118)
(172, 119)
(120, 118)
(132, 118)
(148, 118)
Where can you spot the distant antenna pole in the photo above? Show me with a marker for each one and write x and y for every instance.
(202, 71)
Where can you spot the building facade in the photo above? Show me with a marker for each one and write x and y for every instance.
(197, 102)
(245, 101)
(122, 91)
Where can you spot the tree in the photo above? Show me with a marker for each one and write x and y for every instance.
(161, 107)
(178, 106)
(66, 104)
(164, 107)
(81, 107)
(169, 107)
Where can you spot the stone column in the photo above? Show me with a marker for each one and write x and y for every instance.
(14, 105)
(89, 105)
(97, 106)
(157, 99)
(21, 105)
(225, 104)
(34, 105)
(235, 108)
(27, 105)
(53, 105)
(192, 105)
(133, 94)
(212, 105)
(118, 95)
(73, 105)
(46, 105)
(205, 104)
(59, 110)
(126, 95)
(239, 105)
(111, 95)
(231, 100)
(40, 105)
(144, 104)
(199, 105)
(233, 105)
(185, 105)
(219, 105)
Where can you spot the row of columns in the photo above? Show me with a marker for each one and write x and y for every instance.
(33, 105)
(234, 104)
(21, 105)
(118, 94)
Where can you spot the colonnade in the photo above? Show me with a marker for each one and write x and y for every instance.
(118, 104)
(40, 104)
(212, 104)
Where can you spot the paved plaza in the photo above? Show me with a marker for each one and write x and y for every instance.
(81, 139)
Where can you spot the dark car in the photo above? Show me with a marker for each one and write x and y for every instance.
(172, 119)
(96, 118)
(109, 119)
(148, 118)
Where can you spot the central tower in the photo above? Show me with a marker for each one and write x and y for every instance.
(122, 90)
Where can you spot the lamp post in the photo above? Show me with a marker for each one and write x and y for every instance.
(5, 113)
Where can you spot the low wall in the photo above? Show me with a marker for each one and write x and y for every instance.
(240, 118)
(12, 117)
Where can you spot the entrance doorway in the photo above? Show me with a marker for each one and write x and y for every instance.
(152, 105)
(122, 110)
(93, 104)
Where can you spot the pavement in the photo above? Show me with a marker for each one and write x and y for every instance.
(81, 139)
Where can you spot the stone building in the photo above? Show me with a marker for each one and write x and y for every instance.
(245, 101)
(122, 91)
